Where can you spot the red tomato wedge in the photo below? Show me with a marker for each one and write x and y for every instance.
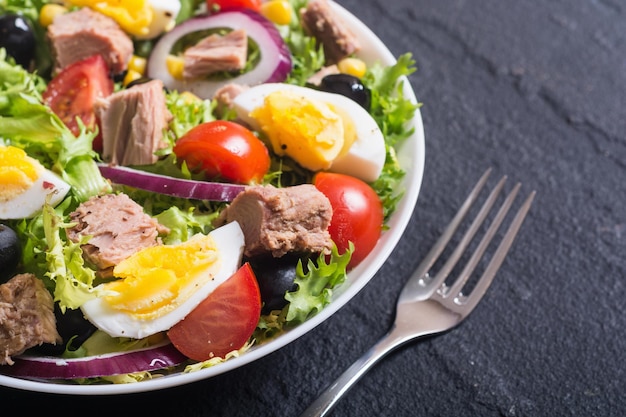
(73, 91)
(224, 150)
(357, 213)
(230, 4)
(223, 322)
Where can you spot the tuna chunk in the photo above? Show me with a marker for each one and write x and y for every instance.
(26, 316)
(77, 35)
(316, 79)
(225, 96)
(133, 124)
(319, 21)
(281, 220)
(118, 228)
(216, 53)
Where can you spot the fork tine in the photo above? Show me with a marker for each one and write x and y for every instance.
(434, 253)
(463, 277)
(496, 261)
(445, 270)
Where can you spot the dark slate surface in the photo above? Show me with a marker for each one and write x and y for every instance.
(536, 90)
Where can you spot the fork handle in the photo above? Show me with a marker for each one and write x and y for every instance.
(331, 395)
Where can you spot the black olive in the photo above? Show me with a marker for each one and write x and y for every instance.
(73, 328)
(349, 86)
(119, 77)
(275, 277)
(18, 38)
(10, 252)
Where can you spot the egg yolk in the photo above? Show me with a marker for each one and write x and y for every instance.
(18, 172)
(310, 131)
(156, 280)
(133, 16)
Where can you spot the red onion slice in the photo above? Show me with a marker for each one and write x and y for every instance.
(48, 367)
(176, 187)
(274, 66)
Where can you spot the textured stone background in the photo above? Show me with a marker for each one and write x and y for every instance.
(536, 90)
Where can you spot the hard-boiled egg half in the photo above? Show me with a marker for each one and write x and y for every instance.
(25, 184)
(319, 130)
(158, 286)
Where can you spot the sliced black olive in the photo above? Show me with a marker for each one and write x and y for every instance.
(10, 252)
(275, 277)
(18, 38)
(73, 328)
(349, 86)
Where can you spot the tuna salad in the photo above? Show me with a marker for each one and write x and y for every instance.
(186, 179)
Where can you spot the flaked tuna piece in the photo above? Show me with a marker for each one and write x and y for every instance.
(26, 316)
(118, 228)
(319, 21)
(281, 220)
(133, 123)
(77, 35)
(216, 53)
(225, 96)
(316, 79)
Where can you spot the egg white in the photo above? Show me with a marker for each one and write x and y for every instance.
(163, 18)
(366, 156)
(31, 201)
(230, 242)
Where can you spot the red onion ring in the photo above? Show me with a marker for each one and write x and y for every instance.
(48, 367)
(275, 62)
(176, 187)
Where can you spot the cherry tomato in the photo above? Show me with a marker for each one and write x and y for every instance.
(224, 150)
(73, 91)
(223, 322)
(230, 4)
(357, 213)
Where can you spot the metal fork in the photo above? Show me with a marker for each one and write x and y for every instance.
(427, 305)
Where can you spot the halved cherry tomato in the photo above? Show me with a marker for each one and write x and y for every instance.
(357, 213)
(230, 4)
(223, 322)
(224, 150)
(73, 91)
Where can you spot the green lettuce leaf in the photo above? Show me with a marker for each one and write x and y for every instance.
(307, 54)
(187, 111)
(184, 224)
(314, 290)
(391, 110)
(72, 280)
(27, 123)
(315, 287)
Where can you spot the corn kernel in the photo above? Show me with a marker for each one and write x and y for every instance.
(175, 66)
(48, 12)
(352, 66)
(137, 64)
(131, 75)
(189, 97)
(277, 11)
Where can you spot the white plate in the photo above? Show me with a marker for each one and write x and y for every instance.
(411, 155)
